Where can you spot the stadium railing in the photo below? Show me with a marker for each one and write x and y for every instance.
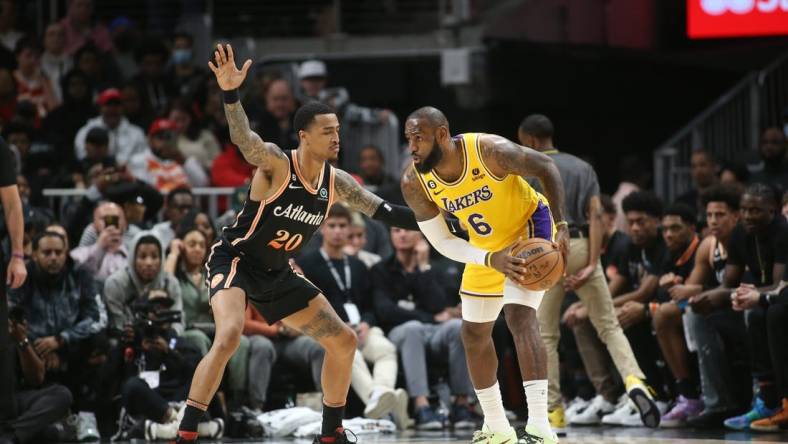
(727, 128)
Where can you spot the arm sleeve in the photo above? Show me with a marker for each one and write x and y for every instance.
(449, 245)
(396, 216)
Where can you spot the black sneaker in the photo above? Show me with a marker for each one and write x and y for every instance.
(340, 437)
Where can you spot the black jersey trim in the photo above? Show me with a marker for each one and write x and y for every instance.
(304, 182)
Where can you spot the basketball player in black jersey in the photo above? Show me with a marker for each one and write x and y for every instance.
(288, 199)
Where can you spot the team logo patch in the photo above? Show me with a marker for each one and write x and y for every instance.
(475, 171)
(323, 193)
(216, 280)
(432, 184)
(294, 178)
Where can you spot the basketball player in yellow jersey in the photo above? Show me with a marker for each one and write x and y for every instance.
(479, 178)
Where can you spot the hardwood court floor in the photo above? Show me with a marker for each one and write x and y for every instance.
(585, 435)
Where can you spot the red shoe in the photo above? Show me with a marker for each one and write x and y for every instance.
(340, 437)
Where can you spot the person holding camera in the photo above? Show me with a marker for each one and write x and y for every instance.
(143, 272)
(37, 406)
(108, 254)
(158, 369)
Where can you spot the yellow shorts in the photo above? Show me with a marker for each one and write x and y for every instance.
(484, 291)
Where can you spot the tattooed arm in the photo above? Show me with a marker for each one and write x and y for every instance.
(506, 157)
(361, 199)
(229, 78)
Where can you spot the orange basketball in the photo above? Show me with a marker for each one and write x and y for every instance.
(544, 262)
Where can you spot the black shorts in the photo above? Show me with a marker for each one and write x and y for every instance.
(276, 293)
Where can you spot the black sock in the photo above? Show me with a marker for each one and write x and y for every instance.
(687, 388)
(191, 417)
(332, 419)
(769, 394)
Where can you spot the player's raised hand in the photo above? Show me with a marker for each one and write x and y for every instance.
(228, 76)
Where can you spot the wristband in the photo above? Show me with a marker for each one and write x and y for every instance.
(562, 222)
(19, 256)
(231, 96)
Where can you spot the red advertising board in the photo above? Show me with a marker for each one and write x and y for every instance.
(736, 18)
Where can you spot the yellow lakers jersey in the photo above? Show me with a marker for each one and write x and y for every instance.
(495, 210)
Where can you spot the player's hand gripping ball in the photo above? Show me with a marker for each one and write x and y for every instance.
(543, 260)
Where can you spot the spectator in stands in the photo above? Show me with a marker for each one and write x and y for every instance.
(614, 241)
(634, 177)
(125, 139)
(96, 153)
(32, 85)
(108, 253)
(162, 165)
(345, 282)
(38, 406)
(55, 63)
(357, 240)
(716, 352)
(371, 167)
(703, 169)
(102, 74)
(201, 221)
(270, 343)
(152, 56)
(230, 168)
(80, 30)
(274, 118)
(138, 112)
(177, 205)
(61, 305)
(63, 123)
(163, 353)
(20, 138)
(313, 75)
(188, 77)
(678, 230)
(759, 246)
(144, 272)
(411, 306)
(193, 140)
(773, 169)
(125, 36)
(7, 96)
(9, 35)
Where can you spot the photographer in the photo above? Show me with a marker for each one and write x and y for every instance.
(37, 406)
(143, 273)
(160, 368)
(108, 254)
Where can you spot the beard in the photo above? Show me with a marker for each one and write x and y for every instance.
(431, 161)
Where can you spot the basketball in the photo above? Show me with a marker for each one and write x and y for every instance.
(544, 262)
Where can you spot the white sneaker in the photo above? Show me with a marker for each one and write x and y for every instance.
(593, 413)
(87, 430)
(576, 405)
(156, 430)
(625, 414)
(400, 412)
(382, 402)
(213, 429)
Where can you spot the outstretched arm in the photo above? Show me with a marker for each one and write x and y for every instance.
(506, 157)
(361, 199)
(229, 78)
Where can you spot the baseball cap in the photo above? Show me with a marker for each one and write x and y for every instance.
(312, 68)
(108, 95)
(160, 125)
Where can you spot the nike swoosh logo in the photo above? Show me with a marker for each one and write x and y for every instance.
(294, 187)
(438, 192)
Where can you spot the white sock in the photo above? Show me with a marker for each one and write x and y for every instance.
(492, 406)
(536, 396)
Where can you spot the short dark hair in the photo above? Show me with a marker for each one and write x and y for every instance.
(176, 191)
(682, 210)
(433, 115)
(189, 224)
(726, 194)
(706, 153)
(339, 211)
(644, 201)
(608, 206)
(764, 191)
(373, 148)
(97, 136)
(305, 115)
(538, 125)
(147, 239)
(738, 169)
(45, 234)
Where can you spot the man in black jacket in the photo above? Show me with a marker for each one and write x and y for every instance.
(412, 307)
